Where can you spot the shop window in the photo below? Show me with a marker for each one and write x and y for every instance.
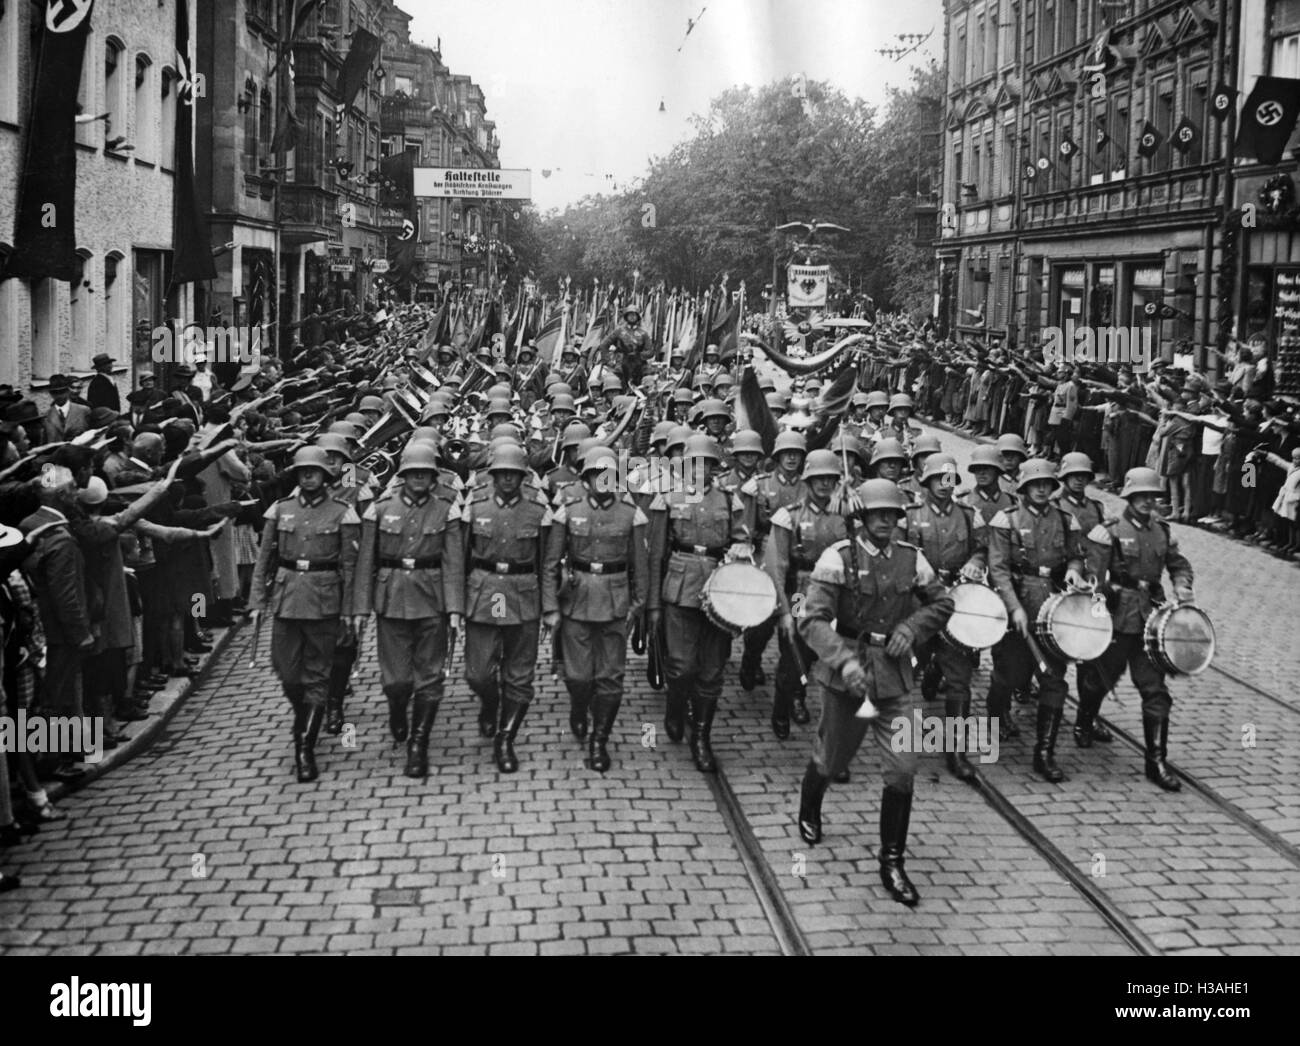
(1069, 296)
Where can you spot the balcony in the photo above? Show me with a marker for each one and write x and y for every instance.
(314, 67)
(307, 213)
(1186, 195)
(398, 114)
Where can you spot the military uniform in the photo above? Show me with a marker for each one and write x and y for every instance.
(1088, 512)
(1131, 556)
(400, 578)
(800, 533)
(495, 579)
(907, 435)
(600, 549)
(763, 495)
(690, 531)
(988, 506)
(356, 487)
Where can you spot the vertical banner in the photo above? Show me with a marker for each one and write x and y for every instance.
(45, 229)
(365, 46)
(806, 286)
(191, 241)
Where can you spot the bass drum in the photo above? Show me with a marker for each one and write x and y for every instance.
(738, 596)
(979, 618)
(1180, 639)
(1074, 626)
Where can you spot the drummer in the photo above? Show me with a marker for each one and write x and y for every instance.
(1034, 549)
(955, 541)
(1130, 555)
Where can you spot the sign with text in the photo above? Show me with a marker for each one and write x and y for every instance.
(473, 183)
(807, 286)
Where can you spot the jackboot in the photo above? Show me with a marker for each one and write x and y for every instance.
(799, 708)
(579, 705)
(1049, 722)
(701, 727)
(488, 714)
(780, 714)
(810, 804)
(313, 716)
(299, 721)
(958, 764)
(603, 712)
(998, 704)
(512, 715)
(1156, 733)
(751, 671)
(895, 813)
(417, 749)
(398, 699)
(930, 680)
(334, 714)
(675, 711)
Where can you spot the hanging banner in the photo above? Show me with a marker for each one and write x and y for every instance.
(473, 183)
(806, 288)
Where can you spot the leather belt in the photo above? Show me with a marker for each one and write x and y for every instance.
(493, 566)
(427, 563)
(871, 638)
(712, 551)
(1141, 586)
(308, 565)
(588, 567)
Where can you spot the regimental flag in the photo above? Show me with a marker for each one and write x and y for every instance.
(1268, 118)
(1186, 135)
(1068, 147)
(45, 228)
(191, 240)
(1221, 101)
(1150, 140)
(365, 47)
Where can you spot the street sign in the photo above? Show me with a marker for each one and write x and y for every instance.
(473, 183)
(343, 265)
(379, 265)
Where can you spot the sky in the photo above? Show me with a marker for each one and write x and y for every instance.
(575, 85)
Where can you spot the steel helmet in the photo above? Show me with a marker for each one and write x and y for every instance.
(631, 311)
(419, 455)
(1010, 443)
(790, 440)
(767, 383)
(676, 353)
(1072, 464)
(747, 441)
(939, 464)
(860, 399)
(714, 408)
(678, 437)
(500, 406)
(887, 450)
(711, 350)
(1140, 481)
(500, 391)
(446, 350)
(986, 456)
(683, 396)
(662, 431)
(877, 399)
(846, 443)
(334, 443)
(611, 382)
(343, 428)
(427, 433)
(509, 458)
(527, 347)
(723, 379)
(900, 400)
(563, 401)
(586, 445)
(506, 428)
(574, 433)
(926, 443)
(775, 401)
(821, 463)
(438, 408)
(312, 458)
(599, 457)
(881, 494)
(557, 388)
(358, 419)
(372, 403)
(1037, 469)
(701, 446)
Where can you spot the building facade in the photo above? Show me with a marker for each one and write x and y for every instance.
(125, 162)
(1085, 174)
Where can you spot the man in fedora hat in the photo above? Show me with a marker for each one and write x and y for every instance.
(633, 345)
(101, 390)
(64, 419)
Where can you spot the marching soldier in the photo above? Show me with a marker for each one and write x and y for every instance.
(911, 485)
(566, 471)
(711, 367)
(762, 495)
(715, 418)
(400, 579)
(888, 459)
(677, 374)
(859, 619)
(691, 530)
(493, 583)
(308, 555)
(598, 540)
(633, 344)
(747, 453)
(988, 498)
(856, 423)
(1076, 473)
(1034, 550)
(954, 540)
(877, 407)
(800, 533)
(899, 425)
(1011, 448)
(1132, 553)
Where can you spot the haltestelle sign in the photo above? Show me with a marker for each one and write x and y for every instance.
(473, 183)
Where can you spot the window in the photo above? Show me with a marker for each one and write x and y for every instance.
(976, 172)
(1069, 35)
(114, 315)
(114, 103)
(146, 112)
(1101, 298)
(1069, 302)
(403, 85)
(167, 122)
(1064, 167)
(977, 52)
(1284, 38)
(988, 185)
(248, 102)
(45, 329)
(1163, 118)
(1046, 29)
(959, 58)
(265, 124)
(957, 173)
(79, 301)
(8, 321)
(1008, 167)
(991, 41)
(88, 133)
(9, 62)
(1196, 109)
(1146, 284)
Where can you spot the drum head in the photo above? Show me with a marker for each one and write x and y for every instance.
(1187, 640)
(739, 596)
(1078, 626)
(979, 619)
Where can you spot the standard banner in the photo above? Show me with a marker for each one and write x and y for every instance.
(807, 284)
(473, 183)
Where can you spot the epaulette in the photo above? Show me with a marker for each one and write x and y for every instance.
(907, 544)
(839, 546)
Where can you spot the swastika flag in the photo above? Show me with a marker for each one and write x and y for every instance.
(1268, 118)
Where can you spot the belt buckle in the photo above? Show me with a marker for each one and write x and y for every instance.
(878, 639)
(1044, 571)
(598, 568)
(700, 550)
(502, 568)
(302, 564)
(408, 563)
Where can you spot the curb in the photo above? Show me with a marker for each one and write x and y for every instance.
(153, 727)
